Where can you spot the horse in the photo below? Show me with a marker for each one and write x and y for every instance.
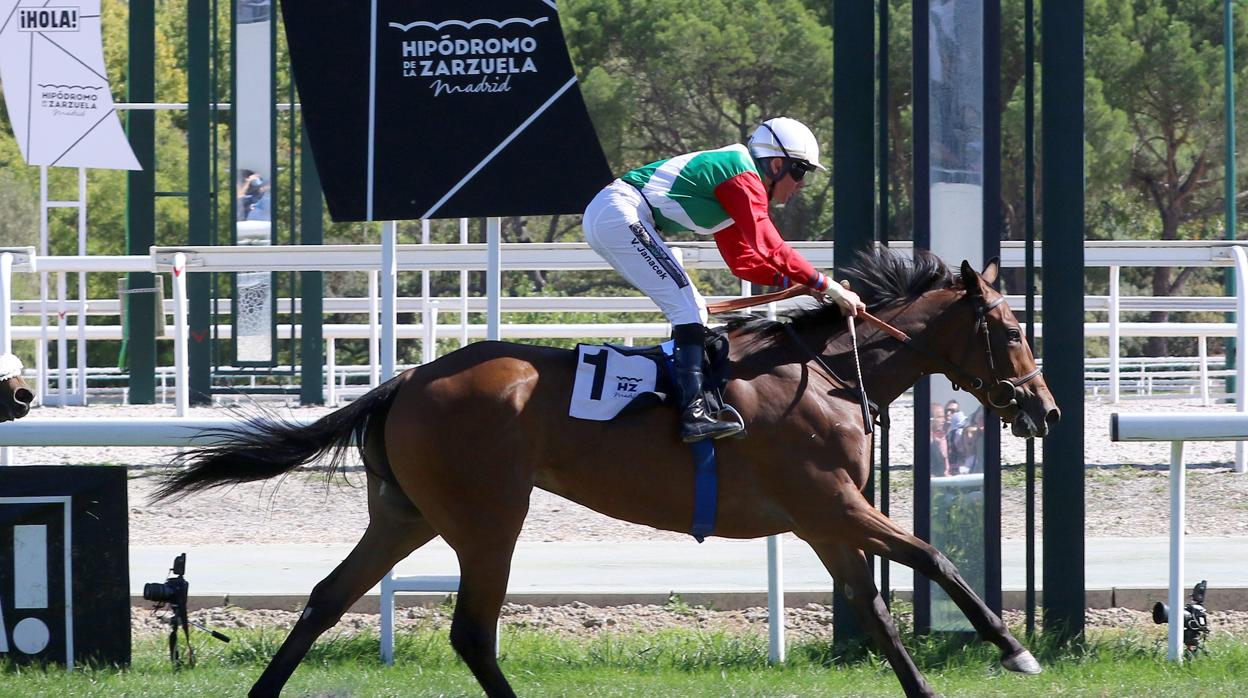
(453, 448)
(15, 395)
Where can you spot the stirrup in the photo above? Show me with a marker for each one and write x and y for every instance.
(730, 414)
(707, 426)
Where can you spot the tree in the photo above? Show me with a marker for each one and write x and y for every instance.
(1155, 68)
(670, 77)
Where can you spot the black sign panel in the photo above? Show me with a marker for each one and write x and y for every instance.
(64, 565)
(440, 109)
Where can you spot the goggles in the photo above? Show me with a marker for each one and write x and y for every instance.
(798, 169)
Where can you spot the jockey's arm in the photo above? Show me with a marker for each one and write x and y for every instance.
(752, 247)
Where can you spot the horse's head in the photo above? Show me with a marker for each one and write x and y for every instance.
(994, 358)
(15, 395)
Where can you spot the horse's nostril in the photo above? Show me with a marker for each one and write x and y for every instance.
(24, 396)
(1052, 416)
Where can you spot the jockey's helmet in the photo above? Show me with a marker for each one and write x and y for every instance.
(783, 137)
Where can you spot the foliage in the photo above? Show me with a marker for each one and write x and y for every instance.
(1155, 102)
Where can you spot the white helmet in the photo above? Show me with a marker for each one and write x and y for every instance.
(783, 137)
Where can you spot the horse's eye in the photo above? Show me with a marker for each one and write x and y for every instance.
(1015, 336)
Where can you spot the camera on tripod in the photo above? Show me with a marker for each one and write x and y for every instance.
(173, 592)
(1195, 619)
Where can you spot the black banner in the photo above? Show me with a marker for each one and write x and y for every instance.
(463, 109)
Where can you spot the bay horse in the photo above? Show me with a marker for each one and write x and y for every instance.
(15, 395)
(454, 448)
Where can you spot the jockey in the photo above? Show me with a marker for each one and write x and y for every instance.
(724, 193)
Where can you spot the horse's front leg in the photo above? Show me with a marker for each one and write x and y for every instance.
(876, 534)
(849, 566)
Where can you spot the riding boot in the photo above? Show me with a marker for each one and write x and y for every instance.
(696, 422)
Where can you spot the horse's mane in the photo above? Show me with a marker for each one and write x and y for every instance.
(879, 277)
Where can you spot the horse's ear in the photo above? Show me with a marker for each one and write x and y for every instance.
(970, 280)
(991, 270)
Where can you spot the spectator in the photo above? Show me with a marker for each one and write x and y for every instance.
(262, 209)
(955, 423)
(971, 447)
(939, 448)
(250, 188)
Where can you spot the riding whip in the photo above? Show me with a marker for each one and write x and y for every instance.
(862, 388)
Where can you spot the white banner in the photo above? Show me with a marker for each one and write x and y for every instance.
(56, 88)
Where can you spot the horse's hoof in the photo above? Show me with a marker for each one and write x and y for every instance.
(1021, 662)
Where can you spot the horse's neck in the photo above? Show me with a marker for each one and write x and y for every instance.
(889, 368)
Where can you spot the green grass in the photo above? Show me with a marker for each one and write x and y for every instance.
(669, 663)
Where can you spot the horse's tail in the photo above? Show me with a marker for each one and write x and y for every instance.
(268, 446)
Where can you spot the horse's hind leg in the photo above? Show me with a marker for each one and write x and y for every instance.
(395, 529)
(876, 534)
(481, 525)
(849, 566)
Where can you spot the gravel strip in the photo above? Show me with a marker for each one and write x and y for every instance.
(578, 620)
(1126, 489)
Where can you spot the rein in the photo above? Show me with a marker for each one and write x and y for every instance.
(1001, 395)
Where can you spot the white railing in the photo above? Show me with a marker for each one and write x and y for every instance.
(1178, 428)
(495, 258)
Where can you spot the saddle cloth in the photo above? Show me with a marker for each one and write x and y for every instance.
(609, 378)
(612, 378)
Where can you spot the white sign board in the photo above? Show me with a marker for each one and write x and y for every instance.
(56, 88)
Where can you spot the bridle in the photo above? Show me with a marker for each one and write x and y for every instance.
(1004, 391)
(1006, 388)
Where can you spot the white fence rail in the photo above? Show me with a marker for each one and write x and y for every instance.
(495, 258)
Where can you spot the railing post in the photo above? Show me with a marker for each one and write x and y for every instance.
(387, 618)
(425, 301)
(1241, 346)
(374, 341)
(1115, 343)
(1202, 346)
(429, 350)
(493, 275)
(775, 599)
(1177, 491)
(182, 391)
(6, 339)
(389, 291)
(331, 370)
(41, 355)
(463, 288)
(62, 342)
(6, 302)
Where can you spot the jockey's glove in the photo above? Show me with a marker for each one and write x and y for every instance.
(848, 301)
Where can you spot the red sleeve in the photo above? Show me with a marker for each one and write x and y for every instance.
(753, 243)
(744, 261)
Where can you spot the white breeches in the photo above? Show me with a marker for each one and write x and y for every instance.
(619, 226)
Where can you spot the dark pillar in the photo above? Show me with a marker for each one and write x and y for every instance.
(139, 347)
(853, 188)
(200, 197)
(922, 236)
(992, 248)
(1061, 117)
(312, 346)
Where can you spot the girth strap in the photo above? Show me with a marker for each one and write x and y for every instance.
(705, 488)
